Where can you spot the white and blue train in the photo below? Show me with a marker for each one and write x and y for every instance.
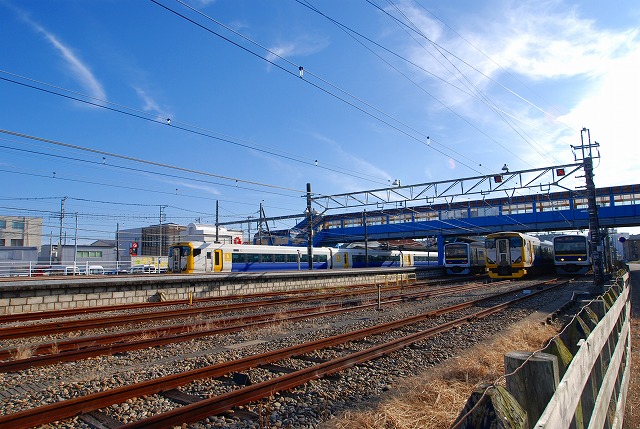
(464, 258)
(204, 257)
(571, 254)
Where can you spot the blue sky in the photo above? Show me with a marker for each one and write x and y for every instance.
(100, 98)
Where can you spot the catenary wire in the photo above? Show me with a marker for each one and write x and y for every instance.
(442, 80)
(413, 27)
(326, 91)
(153, 117)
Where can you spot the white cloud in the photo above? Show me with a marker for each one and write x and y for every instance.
(610, 112)
(546, 43)
(200, 3)
(81, 72)
(303, 46)
(150, 104)
(541, 43)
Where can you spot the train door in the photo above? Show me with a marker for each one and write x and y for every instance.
(217, 263)
(174, 260)
(502, 251)
(346, 259)
(407, 260)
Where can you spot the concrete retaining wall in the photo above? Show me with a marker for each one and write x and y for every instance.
(76, 292)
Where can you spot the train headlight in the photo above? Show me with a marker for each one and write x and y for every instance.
(579, 259)
(561, 259)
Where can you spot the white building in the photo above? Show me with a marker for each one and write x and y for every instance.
(207, 233)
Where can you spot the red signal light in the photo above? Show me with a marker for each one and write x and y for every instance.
(560, 172)
(497, 178)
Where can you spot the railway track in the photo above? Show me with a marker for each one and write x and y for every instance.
(200, 408)
(83, 348)
(53, 314)
(185, 311)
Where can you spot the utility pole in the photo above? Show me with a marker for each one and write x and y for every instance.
(595, 243)
(75, 247)
(59, 253)
(309, 228)
(366, 239)
(117, 246)
(217, 233)
(161, 235)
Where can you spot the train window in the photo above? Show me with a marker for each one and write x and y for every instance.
(456, 250)
(576, 244)
(196, 252)
(360, 259)
(253, 258)
(279, 258)
(490, 243)
(292, 258)
(429, 258)
(238, 258)
(515, 242)
(319, 258)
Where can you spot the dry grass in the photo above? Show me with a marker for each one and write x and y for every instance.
(632, 411)
(434, 399)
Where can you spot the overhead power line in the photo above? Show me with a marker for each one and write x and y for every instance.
(143, 161)
(183, 126)
(420, 138)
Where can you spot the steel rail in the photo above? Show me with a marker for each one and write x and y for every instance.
(71, 407)
(74, 350)
(202, 409)
(53, 328)
(51, 314)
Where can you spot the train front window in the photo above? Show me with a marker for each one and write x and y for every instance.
(572, 245)
(515, 242)
(490, 243)
(454, 250)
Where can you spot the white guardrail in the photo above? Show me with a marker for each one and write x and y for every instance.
(580, 380)
(35, 269)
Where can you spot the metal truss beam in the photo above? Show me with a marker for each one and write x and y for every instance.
(510, 182)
